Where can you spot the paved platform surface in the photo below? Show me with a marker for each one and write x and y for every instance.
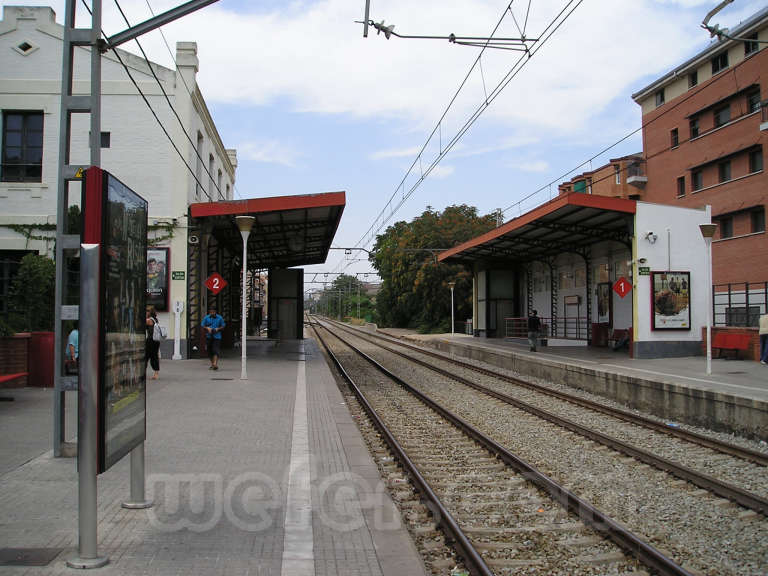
(268, 476)
(745, 378)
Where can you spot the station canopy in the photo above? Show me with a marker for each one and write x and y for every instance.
(287, 231)
(569, 223)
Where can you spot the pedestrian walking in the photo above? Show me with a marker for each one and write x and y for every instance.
(152, 344)
(534, 326)
(213, 324)
(764, 339)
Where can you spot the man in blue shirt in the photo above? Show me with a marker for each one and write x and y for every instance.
(73, 352)
(213, 324)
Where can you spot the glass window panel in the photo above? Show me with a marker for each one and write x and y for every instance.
(35, 121)
(13, 121)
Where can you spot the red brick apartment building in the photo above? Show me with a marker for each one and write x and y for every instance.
(704, 132)
(613, 179)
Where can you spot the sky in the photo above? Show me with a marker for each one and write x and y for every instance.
(312, 106)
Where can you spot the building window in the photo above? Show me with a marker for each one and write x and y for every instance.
(693, 79)
(758, 220)
(22, 157)
(617, 173)
(724, 171)
(694, 124)
(722, 116)
(739, 316)
(674, 138)
(580, 186)
(719, 63)
(756, 160)
(660, 97)
(726, 227)
(199, 168)
(697, 180)
(681, 186)
(753, 101)
(211, 193)
(750, 44)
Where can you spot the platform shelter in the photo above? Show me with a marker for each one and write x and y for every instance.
(599, 271)
(288, 231)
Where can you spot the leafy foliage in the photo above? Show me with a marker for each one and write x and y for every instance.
(32, 294)
(415, 292)
(343, 295)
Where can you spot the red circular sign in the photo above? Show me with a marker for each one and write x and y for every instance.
(215, 283)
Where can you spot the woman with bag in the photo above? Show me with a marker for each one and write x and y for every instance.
(153, 342)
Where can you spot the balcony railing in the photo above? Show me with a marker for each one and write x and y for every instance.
(636, 174)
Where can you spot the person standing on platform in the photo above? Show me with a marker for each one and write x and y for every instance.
(213, 324)
(534, 325)
(72, 360)
(153, 346)
(764, 339)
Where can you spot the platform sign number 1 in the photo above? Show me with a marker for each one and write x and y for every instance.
(215, 283)
(622, 287)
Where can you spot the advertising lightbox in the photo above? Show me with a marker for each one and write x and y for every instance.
(116, 218)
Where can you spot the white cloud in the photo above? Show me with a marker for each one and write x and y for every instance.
(268, 152)
(396, 153)
(442, 171)
(539, 166)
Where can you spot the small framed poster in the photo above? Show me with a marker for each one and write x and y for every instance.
(604, 303)
(671, 300)
(157, 278)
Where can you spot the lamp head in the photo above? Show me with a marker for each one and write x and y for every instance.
(244, 223)
(707, 230)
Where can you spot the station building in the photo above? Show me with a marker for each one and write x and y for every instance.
(192, 210)
(134, 147)
(597, 270)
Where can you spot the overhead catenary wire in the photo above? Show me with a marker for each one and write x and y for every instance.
(519, 64)
(171, 106)
(183, 80)
(156, 117)
(644, 125)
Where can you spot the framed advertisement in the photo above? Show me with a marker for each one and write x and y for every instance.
(604, 303)
(116, 218)
(671, 300)
(157, 278)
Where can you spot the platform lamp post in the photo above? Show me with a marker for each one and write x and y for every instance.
(452, 285)
(708, 231)
(244, 224)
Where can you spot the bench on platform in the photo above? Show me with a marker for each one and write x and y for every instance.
(730, 342)
(9, 380)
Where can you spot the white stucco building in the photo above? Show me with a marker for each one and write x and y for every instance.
(134, 146)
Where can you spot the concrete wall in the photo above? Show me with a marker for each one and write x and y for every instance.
(714, 410)
(678, 246)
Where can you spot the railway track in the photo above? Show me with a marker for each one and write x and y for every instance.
(680, 520)
(730, 471)
(504, 515)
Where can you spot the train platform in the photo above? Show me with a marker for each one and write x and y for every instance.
(734, 398)
(267, 476)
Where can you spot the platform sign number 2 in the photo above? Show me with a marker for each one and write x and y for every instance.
(622, 287)
(215, 283)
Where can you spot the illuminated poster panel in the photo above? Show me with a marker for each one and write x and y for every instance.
(117, 216)
(157, 278)
(671, 300)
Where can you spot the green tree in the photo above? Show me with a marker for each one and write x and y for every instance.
(32, 294)
(415, 291)
(340, 299)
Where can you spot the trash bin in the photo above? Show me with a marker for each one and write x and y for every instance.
(41, 359)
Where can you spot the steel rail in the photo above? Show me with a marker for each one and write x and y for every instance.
(722, 489)
(446, 521)
(587, 513)
(753, 456)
